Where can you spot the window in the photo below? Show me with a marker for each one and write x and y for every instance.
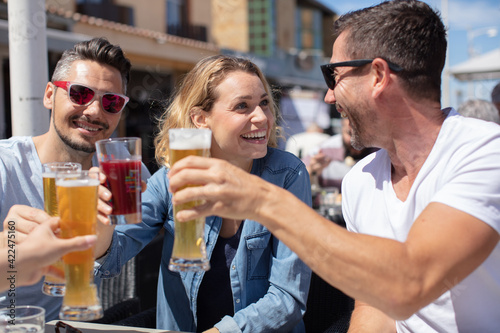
(176, 16)
(309, 34)
(261, 23)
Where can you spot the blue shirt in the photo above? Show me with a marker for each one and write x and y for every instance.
(21, 183)
(269, 282)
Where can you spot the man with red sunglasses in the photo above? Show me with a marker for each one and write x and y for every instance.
(86, 96)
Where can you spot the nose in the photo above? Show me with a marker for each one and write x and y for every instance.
(259, 115)
(330, 97)
(95, 108)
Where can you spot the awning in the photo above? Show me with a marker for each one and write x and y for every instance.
(483, 67)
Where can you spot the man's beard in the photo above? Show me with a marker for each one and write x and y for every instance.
(83, 147)
(354, 122)
(356, 142)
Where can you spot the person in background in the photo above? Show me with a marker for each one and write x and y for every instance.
(334, 157)
(301, 144)
(495, 96)
(31, 257)
(480, 109)
(256, 283)
(86, 97)
(422, 252)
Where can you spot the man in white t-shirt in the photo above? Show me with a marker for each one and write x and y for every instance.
(422, 252)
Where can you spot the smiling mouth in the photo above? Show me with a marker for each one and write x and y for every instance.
(89, 125)
(86, 127)
(257, 135)
(340, 111)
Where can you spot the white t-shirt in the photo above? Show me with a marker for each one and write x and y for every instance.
(462, 171)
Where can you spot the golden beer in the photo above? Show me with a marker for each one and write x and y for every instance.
(54, 286)
(188, 246)
(50, 205)
(49, 194)
(189, 252)
(77, 201)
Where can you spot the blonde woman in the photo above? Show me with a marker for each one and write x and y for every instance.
(255, 284)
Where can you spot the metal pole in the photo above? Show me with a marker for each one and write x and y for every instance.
(28, 66)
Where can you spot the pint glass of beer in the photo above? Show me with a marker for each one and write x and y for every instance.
(77, 204)
(120, 160)
(54, 286)
(189, 252)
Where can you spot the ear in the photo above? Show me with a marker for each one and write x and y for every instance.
(382, 76)
(198, 117)
(49, 95)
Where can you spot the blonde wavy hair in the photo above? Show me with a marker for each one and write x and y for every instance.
(198, 91)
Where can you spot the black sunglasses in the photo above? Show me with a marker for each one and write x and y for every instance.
(329, 75)
(83, 96)
(66, 328)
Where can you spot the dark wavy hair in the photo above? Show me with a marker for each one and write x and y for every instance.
(99, 50)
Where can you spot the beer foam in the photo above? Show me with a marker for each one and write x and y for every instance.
(196, 142)
(49, 175)
(77, 182)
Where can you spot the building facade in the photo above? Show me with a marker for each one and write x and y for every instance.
(288, 39)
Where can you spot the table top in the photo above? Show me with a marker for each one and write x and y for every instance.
(99, 328)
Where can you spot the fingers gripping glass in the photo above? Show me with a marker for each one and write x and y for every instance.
(83, 95)
(329, 74)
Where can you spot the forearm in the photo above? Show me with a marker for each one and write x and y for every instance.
(104, 238)
(361, 266)
(368, 319)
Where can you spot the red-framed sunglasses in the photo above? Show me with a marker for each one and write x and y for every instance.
(83, 95)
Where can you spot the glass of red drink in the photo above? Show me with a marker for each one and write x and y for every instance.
(120, 160)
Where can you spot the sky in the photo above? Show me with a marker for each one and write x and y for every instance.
(465, 17)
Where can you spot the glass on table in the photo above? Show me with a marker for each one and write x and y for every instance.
(189, 252)
(77, 195)
(54, 286)
(120, 160)
(22, 319)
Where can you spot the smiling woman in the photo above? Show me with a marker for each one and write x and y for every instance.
(255, 284)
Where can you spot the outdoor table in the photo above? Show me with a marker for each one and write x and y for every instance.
(101, 328)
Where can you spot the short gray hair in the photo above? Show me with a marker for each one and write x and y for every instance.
(480, 109)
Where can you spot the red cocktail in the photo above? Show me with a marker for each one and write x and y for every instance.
(124, 181)
(120, 161)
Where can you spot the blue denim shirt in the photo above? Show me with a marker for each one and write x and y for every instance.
(269, 282)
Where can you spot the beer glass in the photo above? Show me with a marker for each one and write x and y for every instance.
(54, 286)
(120, 160)
(22, 319)
(77, 204)
(189, 252)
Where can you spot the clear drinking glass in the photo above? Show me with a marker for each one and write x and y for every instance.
(22, 319)
(189, 252)
(77, 204)
(54, 286)
(120, 160)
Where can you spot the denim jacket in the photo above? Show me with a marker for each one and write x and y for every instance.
(269, 282)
